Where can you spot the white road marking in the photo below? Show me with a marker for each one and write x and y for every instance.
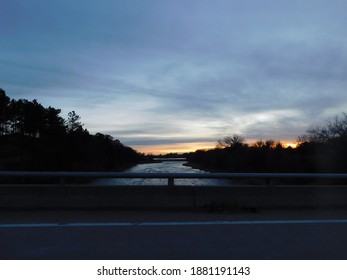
(190, 223)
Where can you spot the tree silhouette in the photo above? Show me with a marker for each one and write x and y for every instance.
(33, 118)
(33, 137)
(335, 129)
(231, 141)
(4, 100)
(54, 125)
(73, 122)
(322, 149)
(328, 144)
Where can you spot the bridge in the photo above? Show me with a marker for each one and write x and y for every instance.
(58, 190)
(65, 220)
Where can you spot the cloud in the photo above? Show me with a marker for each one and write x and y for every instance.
(165, 72)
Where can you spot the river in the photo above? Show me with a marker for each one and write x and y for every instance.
(161, 167)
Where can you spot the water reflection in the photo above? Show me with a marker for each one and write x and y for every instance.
(161, 167)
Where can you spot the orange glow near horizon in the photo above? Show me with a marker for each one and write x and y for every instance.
(188, 147)
(175, 148)
(292, 145)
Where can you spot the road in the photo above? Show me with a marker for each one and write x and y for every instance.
(169, 235)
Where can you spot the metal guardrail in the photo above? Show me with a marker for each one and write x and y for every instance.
(170, 176)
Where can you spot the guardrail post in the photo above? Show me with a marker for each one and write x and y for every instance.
(170, 181)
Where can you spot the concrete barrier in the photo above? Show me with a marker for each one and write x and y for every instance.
(175, 198)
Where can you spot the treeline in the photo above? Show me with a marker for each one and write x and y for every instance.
(321, 149)
(33, 137)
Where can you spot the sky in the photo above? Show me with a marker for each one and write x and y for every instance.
(177, 75)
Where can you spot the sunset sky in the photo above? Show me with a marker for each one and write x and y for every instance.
(178, 75)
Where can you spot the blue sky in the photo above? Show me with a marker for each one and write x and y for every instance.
(179, 75)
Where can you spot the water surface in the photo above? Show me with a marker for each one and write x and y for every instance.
(161, 167)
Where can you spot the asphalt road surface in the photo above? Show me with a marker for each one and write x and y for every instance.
(158, 235)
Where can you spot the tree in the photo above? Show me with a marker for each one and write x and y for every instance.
(328, 144)
(54, 125)
(16, 116)
(231, 141)
(336, 129)
(73, 122)
(25, 117)
(33, 118)
(40, 139)
(4, 101)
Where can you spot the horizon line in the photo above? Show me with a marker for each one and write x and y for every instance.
(190, 147)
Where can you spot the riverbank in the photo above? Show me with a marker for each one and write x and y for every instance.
(198, 166)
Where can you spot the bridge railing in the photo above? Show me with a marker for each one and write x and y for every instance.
(267, 177)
